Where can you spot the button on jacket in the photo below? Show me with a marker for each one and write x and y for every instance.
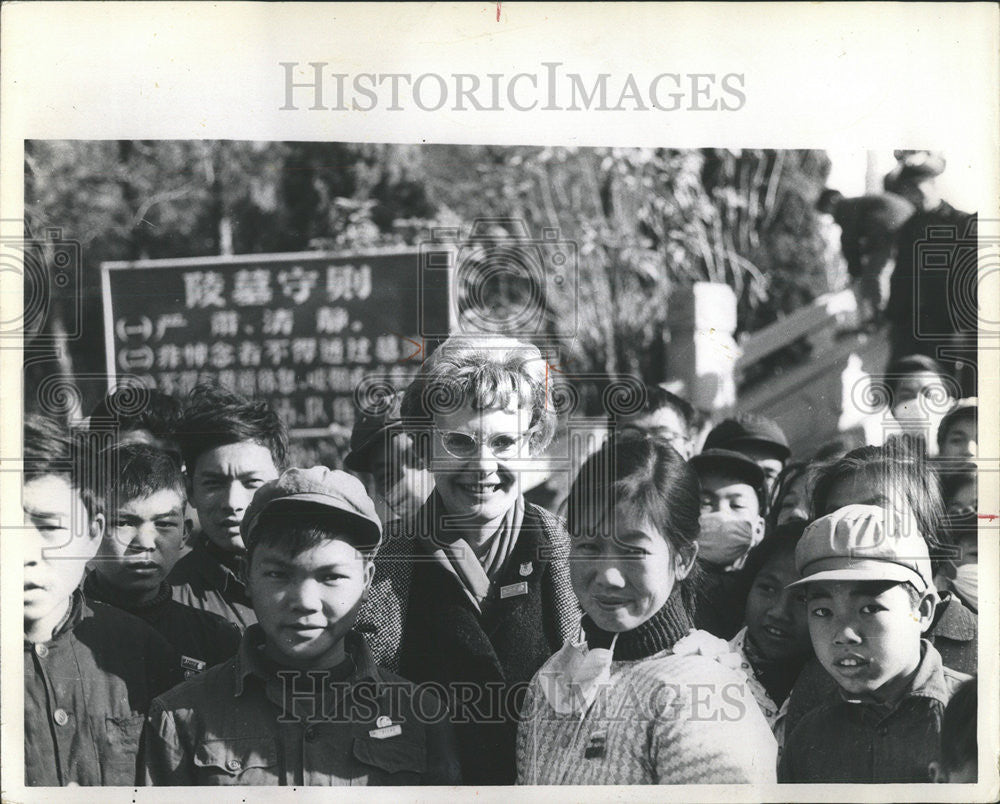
(201, 638)
(851, 741)
(244, 723)
(86, 692)
(201, 581)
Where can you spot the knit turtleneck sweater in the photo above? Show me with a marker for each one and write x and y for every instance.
(661, 717)
(657, 634)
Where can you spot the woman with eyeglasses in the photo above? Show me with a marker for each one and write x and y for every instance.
(473, 592)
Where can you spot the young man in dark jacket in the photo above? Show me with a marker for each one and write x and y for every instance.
(90, 670)
(231, 447)
(145, 506)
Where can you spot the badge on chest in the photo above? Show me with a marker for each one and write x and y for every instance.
(596, 745)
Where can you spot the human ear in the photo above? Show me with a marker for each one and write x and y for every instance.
(684, 564)
(925, 610)
(97, 528)
(937, 773)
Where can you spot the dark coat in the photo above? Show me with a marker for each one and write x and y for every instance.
(420, 622)
(86, 694)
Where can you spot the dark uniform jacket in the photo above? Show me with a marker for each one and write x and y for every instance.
(247, 722)
(954, 635)
(422, 622)
(201, 638)
(86, 693)
(202, 580)
(849, 741)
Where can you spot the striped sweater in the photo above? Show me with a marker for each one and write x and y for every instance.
(666, 719)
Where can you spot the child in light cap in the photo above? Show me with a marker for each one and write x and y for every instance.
(302, 702)
(870, 598)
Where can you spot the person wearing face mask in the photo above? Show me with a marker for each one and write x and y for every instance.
(639, 697)
(732, 523)
(473, 591)
(959, 574)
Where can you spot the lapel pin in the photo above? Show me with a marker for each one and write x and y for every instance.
(526, 569)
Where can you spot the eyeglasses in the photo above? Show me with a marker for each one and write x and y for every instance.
(465, 445)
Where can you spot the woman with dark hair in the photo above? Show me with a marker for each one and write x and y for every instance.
(640, 698)
(473, 591)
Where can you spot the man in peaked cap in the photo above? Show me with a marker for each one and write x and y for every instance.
(758, 438)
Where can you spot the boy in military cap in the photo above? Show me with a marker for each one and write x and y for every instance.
(870, 598)
(303, 703)
(90, 670)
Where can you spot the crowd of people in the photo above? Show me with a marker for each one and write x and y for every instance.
(704, 607)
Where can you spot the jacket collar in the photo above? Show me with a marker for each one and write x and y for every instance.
(928, 682)
(249, 660)
(954, 620)
(209, 562)
(97, 589)
(78, 609)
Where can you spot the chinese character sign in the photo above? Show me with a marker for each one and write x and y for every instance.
(301, 331)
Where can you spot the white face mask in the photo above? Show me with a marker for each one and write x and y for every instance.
(966, 583)
(572, 678)
(725, 541)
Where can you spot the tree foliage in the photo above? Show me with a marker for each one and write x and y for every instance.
(643, 220)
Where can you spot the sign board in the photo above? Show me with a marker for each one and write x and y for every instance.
(299, 330)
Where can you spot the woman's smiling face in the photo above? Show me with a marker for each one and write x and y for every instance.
(482, 486)
(624, 570)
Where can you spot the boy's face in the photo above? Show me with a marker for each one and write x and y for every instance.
(143, 541)
(961, 440)
(727, 495)
(306, 603)
(222, 484)
(776, 616)
(59, 539)
(867, 636)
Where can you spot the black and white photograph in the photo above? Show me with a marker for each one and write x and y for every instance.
(368, 450)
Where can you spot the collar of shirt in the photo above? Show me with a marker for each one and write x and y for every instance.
(772, 712)
(77, 609)
(955, 622)
(96, 588)
(211, 564)
(928, 682)
(249, 660)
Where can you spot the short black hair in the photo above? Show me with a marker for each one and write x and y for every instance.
(959, 742)
(782, 539)
(214, 417)
(656, 398)
(51, 448)
(960, 413)
(138, 408)
(141, 470)
(916, 364)
(892, 465)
